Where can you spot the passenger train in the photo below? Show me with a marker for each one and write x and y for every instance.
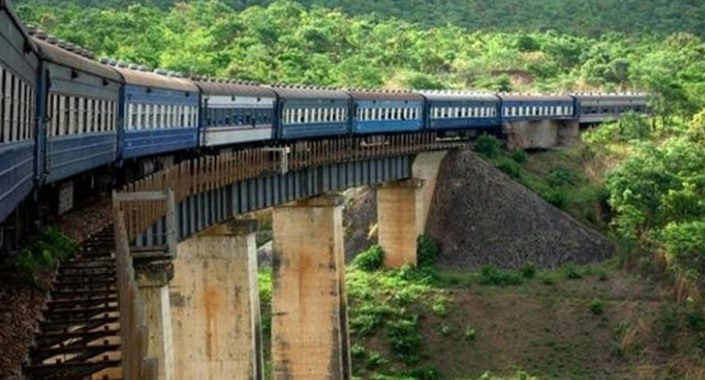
(65, 114)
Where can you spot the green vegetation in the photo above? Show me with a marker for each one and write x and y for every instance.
(286, 42)
(369, 260)
(43, 253)
(590, 17)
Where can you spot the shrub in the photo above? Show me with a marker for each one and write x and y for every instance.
(572, 272)
(426, 251)
(424, 373)
(469, 334)
(488, 146)
(489, 275)
(405, 339)
(528, 270)
(559, 176)
(549, 279)
(357, 351)
(519, 156)
(555, 197)
(509, 168)
(596, 306)
(370, 260)
(44, 252)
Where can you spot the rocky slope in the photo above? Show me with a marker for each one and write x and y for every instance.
(480, 216)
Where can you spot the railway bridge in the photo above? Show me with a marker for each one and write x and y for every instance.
(168, 289)
(185, 253)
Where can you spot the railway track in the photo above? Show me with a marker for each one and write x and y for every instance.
(78, 335)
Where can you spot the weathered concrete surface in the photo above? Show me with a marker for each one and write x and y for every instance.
(569, 133)
(309, 308)
(481, 216)
(360, 212)
(153, 284)
(540, 134)
(426, 167)
(400, 220)
(215, 305)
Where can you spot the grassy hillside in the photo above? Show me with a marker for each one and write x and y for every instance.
(591, 322)
(590, 17)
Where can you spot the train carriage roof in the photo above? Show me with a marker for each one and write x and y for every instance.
(303, 92)
(614, 96)
(441, 95)
(535, 97)
(152, 79)
(233, 88)
(10, 11)
(384, 95)
(58, 55)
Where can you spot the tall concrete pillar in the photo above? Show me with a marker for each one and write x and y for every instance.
(310, 339)
(215, 305)
(569, 133)
(152, 280)
(426, 166)
(400, 220)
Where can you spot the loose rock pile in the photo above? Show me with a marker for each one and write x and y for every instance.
(480, 216)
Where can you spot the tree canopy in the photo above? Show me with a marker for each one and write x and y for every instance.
(586, 18)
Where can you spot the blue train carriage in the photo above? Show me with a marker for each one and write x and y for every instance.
(450, 111)
(235, 113)
(309, 112)
(18, 67)
(518, 107)
(597, 108)
(160, 112)
(81, 110)
(382, 112)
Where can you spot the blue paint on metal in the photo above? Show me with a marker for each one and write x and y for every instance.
(74, 154)
(148, 142)
(16, 175)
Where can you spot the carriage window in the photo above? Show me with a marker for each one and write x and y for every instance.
(81, 115)
(22, 111)
(3, 105)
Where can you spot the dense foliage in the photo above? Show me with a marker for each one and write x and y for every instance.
(289, 43)
(589, 17)
(658, 190)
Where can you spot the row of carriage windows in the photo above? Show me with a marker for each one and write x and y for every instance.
(369, 114)
(314, 115)
(160, 116)
(238, 116)
(462, 112)
(539, 111)
(16, 108)
(69, 115)
(593, 110)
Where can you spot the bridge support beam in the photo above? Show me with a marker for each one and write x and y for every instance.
(400, 220)
(215, 305)
(310, 337)
(152, 280)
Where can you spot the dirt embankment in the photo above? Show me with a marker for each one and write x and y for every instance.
(480, 216)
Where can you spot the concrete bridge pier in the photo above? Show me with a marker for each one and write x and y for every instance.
(400, 220)
(310, 339)
(541, 134)
(215, 305)
(152, 280)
